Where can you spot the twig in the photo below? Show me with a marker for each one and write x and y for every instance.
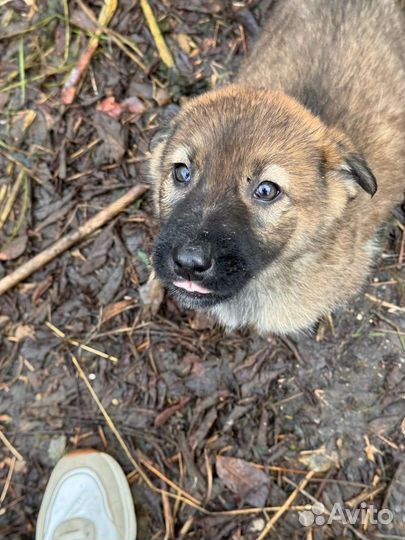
(77, 343)
(10, 447)
(169, 482)
(383, 303)
(71, 86)
(285, 506)
(365, 495)
(160, 43)
(293, 348)
(11, 198)
(23, 209)
(72, 238)
(8, 480)
(19, 164)
(167, 512)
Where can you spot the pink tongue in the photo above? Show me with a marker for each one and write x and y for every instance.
(190, 286)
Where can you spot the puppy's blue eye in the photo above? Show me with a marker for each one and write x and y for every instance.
(181, 173)
(267, 191)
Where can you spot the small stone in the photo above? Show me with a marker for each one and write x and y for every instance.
(56, 448)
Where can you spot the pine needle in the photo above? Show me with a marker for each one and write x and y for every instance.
(21, 69)
(77, 343)
(160, 43)
(285, 506)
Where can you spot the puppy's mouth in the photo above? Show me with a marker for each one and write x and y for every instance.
(191, 287)
(192, 295)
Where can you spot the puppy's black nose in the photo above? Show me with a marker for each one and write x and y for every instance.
(192, 259)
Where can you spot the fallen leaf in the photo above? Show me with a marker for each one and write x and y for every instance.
(198, 436)
(4, 96)
(112, 310)
(113, 135)
(243, 479)
(14, 249)
(164, 415)
(151, 294)
(110, 106)
(114, 108)
(42, 287)
(110, 289)
(201, 321)
(133, 105)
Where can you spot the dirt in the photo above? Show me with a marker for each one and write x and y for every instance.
(236, 420)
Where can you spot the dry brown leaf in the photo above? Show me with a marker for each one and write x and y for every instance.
(201, 321)
(151, 294)
(114, 108)
(243, 479)
(112, 310)
(113, 135)
(133, 105)
(110, 106)
(167, 413)
(14, 249)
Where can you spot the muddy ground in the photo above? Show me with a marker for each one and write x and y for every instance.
(185, 397)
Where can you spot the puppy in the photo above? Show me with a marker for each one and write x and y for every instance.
(270, 191)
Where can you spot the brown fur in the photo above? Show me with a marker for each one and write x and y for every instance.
(324, 82)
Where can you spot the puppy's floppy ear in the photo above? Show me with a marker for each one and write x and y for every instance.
(340, 157)
(356, 167)
(164, 130)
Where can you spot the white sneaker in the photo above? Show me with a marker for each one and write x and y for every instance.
(87, 498)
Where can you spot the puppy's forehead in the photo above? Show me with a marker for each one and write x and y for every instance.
(238, 129)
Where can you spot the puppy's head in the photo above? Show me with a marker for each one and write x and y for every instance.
(243, 179)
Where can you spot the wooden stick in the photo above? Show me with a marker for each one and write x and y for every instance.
(72, 238)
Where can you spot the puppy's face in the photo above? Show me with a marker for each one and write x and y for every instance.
(243, 179)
